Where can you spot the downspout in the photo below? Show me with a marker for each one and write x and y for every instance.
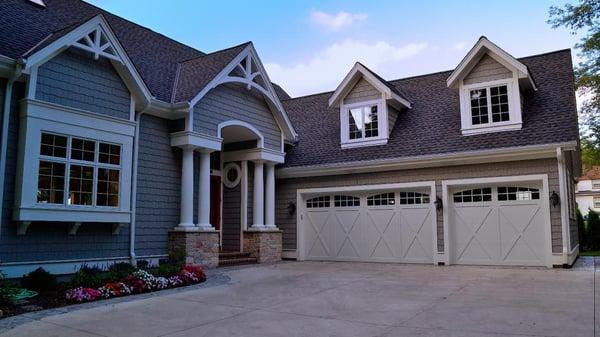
(5, 124)
(134, 184)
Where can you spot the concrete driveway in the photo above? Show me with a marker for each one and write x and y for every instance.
(351, 299)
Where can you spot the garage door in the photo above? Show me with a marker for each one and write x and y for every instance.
(385, 226)
(498, 225)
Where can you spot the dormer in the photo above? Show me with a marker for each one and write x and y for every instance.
(490, 83)
(368, 105)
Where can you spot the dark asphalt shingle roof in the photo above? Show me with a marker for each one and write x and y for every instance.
(432, 125)
(26, 28)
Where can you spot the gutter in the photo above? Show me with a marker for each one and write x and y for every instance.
(436, 160)
(5, 125)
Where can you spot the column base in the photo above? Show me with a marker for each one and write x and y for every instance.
(206, 227)
(198, 247)
(264, 244)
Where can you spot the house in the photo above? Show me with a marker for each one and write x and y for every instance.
(587, 193)
(120, 144)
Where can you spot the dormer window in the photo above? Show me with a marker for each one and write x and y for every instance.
(363, 122)
(489, 105)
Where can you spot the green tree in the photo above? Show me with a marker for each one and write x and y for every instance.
(584, 18)
(582, 231)
(593, 231)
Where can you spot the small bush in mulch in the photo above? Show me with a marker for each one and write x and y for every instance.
(39, 280)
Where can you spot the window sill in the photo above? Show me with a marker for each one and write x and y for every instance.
(363, 143)
(491, 128)
(63, 214)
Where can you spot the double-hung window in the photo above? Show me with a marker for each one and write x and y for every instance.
(489, 105)
(364, 124)
(75, 171)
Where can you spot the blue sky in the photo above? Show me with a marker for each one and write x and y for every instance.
(308, 46)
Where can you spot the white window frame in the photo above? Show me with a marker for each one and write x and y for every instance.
(596, 184)
(382, 125)
(596, 204)
(39, 117)
(514, 106)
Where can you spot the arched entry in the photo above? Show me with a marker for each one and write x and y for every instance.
(238, 137)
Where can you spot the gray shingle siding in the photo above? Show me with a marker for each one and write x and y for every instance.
(287, 189)
(235, 102)
(361, 92)
(487, 70)
(231, 218)
(73, 78)
(158, 187)
(46, 241)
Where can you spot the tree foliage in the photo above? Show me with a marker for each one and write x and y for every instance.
(584, 18)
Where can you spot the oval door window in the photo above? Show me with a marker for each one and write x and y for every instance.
(232, 174)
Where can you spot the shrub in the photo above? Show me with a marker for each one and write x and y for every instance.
(581, 230)
(593, 231)
(118, 271)
(88, 277)
(39, 280)
(143, 264)
(165, 270)
(177, 257)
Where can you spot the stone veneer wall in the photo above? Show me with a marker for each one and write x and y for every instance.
(266, 246)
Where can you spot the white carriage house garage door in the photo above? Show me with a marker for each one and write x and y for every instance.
(499, 224)
(390, 225)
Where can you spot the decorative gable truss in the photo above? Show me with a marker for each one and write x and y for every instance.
(94, 36)
(247, 69)
(98, 44)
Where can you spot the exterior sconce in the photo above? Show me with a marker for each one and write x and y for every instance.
(291, 208)
(554, 199)
(438, 204)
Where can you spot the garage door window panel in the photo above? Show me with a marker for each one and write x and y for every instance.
(346, 201)
(383, 199)
(473, 195)
(515, 193)
(319, 202)
(413, 198)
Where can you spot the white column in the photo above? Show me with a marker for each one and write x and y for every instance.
(204, 192)
(258, 197)
(270, 196)
(187, 189)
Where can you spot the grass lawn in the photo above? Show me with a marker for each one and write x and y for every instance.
(590, 253)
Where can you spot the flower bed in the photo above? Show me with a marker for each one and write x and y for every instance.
(140, 281)
(91, 284)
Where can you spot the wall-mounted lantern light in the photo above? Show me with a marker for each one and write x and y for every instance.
(291, 208)
(554, 199)
(438, 204)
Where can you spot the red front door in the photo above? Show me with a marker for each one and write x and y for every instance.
(215, 201)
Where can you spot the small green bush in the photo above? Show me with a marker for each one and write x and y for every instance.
(165, 270)
(177, 257)
(39, 280)
(88, 277)
(118, 271)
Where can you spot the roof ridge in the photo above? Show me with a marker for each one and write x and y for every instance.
(105, 12)
(214, 52)
(435, 72)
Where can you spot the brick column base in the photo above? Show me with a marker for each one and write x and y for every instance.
(266, 246)
(199, 247)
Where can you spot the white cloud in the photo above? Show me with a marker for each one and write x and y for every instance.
(460, 46)
(326, 69)
(338, 21)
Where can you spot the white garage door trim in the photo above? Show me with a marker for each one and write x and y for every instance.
(544, 196)
(302, 194)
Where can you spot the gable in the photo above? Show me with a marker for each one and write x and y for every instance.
(361, 92)
(233, 102)
(74, 78)
(487, 69)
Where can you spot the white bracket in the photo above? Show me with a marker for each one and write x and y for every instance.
(74, 227)
(22, 227)
(116, 228)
